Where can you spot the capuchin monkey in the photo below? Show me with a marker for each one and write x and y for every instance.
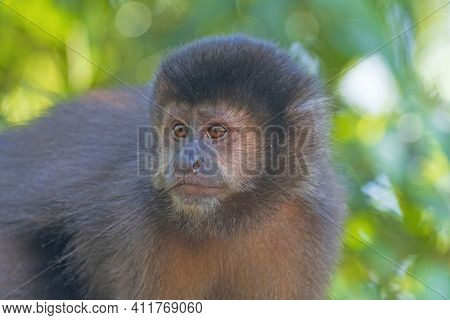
(213, 182)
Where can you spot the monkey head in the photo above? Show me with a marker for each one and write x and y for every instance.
(240, 127)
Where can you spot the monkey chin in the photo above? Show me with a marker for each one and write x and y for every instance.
(195, 206)
(200, 213)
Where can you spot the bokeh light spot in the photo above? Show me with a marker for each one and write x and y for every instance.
(441, 119)
(435, 167)
(359, 232)
(369, 87)
(410, 127)
(133, 19)
(370, 130)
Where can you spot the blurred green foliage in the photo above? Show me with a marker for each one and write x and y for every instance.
(392, 113)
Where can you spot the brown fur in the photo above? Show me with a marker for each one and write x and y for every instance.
(271, 261)
(85, 221)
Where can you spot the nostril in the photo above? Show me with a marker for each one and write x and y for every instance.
(196, 165)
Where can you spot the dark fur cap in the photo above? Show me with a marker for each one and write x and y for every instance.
(236, 69)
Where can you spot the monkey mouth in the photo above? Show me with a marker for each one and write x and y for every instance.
(197, 188)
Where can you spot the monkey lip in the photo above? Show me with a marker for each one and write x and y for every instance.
(197, 190)
(191, 187)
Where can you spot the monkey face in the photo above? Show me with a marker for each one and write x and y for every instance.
(208, 155)
(237, 120)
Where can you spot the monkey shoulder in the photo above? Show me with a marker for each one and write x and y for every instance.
(76, 143)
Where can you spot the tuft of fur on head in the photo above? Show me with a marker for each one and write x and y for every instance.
(251, 72)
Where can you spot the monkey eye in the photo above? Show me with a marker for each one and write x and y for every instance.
(216, 131)
(180, 130)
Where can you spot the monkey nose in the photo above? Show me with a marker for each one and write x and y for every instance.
(196, 166)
